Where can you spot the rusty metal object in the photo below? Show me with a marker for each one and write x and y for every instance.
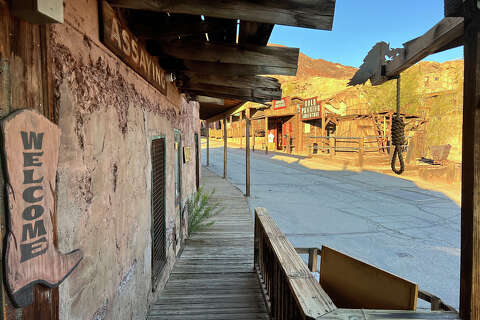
(440, 153)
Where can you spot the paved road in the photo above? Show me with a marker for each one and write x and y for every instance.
(380, 219)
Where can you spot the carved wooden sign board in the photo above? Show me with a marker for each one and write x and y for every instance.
(116, 36)
(31, 144)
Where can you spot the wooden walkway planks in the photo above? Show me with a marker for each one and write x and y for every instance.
(214, 277)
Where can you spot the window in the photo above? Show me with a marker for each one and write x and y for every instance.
(159, 258)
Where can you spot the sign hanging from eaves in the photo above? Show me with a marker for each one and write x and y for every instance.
(118, 38)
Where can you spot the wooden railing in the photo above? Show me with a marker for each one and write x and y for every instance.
(292, 292)
(334, 144)
(290, 289)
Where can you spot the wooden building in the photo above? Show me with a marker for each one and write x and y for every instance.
(311, 127)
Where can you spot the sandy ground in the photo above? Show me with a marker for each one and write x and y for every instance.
(410, 228)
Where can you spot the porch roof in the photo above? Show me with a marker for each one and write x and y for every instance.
(218, 49)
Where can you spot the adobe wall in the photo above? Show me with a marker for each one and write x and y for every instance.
(108, 115)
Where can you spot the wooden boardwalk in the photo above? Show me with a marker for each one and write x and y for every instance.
(214, 277)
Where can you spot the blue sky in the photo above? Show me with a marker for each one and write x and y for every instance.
(359, 24)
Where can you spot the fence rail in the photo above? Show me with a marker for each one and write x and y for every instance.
(361, 145)
(291, 291)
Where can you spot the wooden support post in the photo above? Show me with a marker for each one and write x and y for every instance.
(247, 155)
(208, 144)
(470, 212)
(253, 147)
(323, 142)
(332, 146)
(312, 259)
(225, 138)
(300, 127)
(361, 151)
(266, 135)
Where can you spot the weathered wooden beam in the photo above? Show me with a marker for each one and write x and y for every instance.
(234, 69)
(447, 31)
(226, 31)
(281, 57)
(231, 81)
(454, 8)
(470, 209)
(225, 96)
(227, 113)
(254, 33)
(217, 101)
(300, 13)
(248, 94)
(173, 31)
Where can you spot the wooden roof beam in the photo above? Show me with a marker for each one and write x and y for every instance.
(442, 35)
(279, 57)
(299, 13)
(255, 33)
(227, 113)
(446, 34)
(260, 95)
(230, 81)
(233, 69)
(173, 31)
(210, 100)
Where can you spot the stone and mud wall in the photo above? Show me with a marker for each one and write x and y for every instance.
(108, 116)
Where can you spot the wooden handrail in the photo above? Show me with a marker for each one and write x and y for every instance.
(291, 291)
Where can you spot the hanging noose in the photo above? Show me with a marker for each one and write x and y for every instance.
(398, 135)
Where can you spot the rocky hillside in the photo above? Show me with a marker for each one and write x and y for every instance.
(308, 67)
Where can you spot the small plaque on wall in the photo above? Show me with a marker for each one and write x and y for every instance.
(31, 144)
(187, 154)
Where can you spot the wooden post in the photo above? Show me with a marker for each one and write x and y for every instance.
(332, 147)
(301, 129)
(361, 152)
(266, 135)
(470, 212)
(253, 147)
(225, 137)
(323, 142)
(247, 155)
(312, 259)
(208, 144)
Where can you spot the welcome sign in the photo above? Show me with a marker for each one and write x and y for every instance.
(123, 43)
(31, 145)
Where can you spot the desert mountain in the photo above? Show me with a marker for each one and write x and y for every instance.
(428, 89)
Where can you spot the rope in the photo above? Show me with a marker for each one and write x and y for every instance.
(398, 140)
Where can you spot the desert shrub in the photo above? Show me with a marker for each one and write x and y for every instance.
(200, 210)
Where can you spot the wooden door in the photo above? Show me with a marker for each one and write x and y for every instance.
(25, 82)
(279, 134)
